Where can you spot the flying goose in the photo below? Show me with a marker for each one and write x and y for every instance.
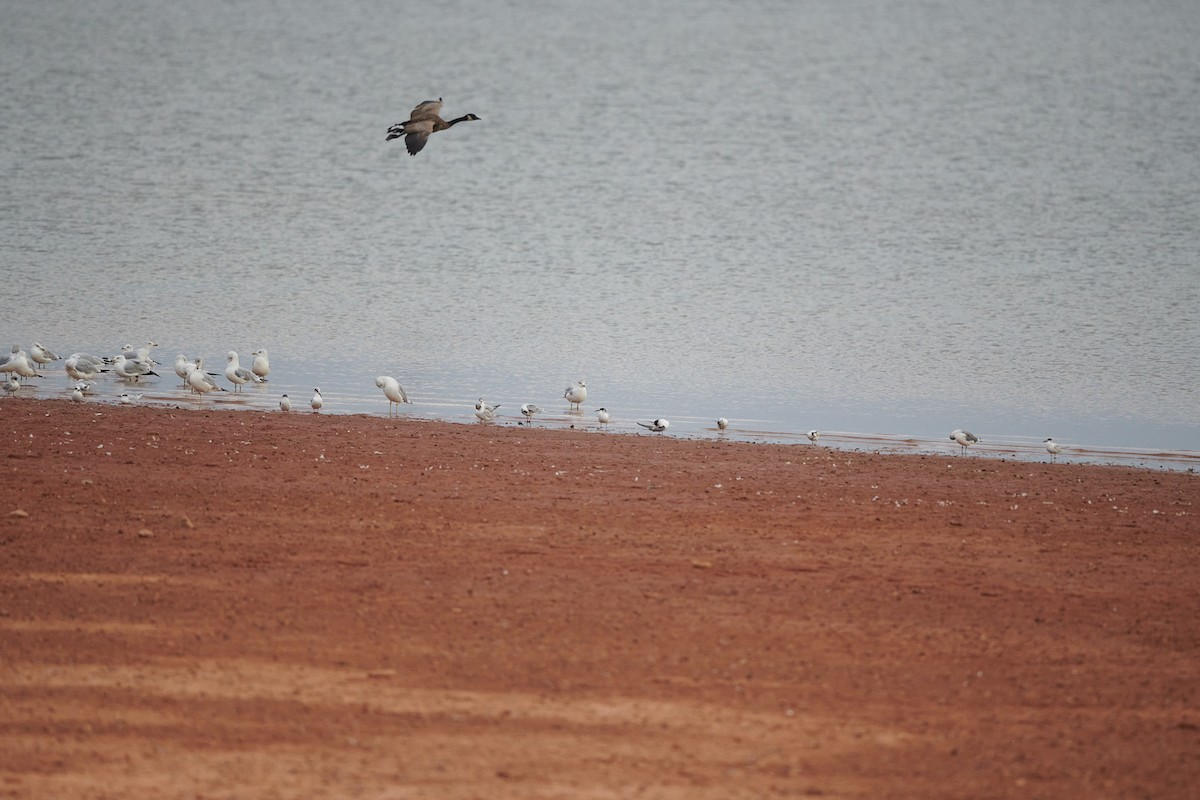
(421, 122)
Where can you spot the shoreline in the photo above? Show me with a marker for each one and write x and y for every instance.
(311, 605)
(1025, 449)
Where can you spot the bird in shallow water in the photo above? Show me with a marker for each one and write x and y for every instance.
(484, 412)
(42, 356)
(964, 438)
(530, 410)
(813, 435)
(1053, 448)
(658, 425)
(602, 416)
(576, 393)
(423, 121)
(236, 374)
(722, 424)
(261, 366)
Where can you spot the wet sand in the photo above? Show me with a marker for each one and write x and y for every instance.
(237, 604)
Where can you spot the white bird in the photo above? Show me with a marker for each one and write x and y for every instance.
(260, 366)
(77, 394)
(392, 390)
(17, 362)
(658, 425)
(141, 354)
(722, 423)
(84, 386)
(1053, 448)
(813, 435)
(964, 438)
(484, 412)
(235, 373)
(182, 367)
(131, 370)
(576, 393)
(285, 404)
(602, 416)
(529, 411)
(42, 355)
(317, 401)
(84, 366)
(201, 381)
(13, 385)
(129, 399)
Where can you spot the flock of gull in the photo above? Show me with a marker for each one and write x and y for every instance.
(133, 364)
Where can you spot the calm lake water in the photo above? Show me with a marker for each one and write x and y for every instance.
(885, 220)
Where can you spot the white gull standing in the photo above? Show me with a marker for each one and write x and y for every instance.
(576, 393)
(130, 369)
(182, 367)
(393, 391)
(1053, 448)
(261, 366)
(84, 366)
(200, 380)
(42, 355)
(964, 438)
(484, 412)
(235, 373)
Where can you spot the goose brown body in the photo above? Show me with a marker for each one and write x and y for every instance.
(423, 121)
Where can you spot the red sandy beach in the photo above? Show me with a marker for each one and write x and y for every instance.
(215, 604)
